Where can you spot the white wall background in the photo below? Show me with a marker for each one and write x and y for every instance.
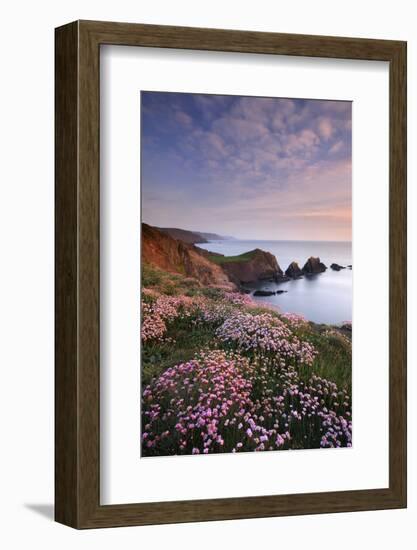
(26, 273)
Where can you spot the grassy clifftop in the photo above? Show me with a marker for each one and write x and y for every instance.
(221, 374)
(218, 259)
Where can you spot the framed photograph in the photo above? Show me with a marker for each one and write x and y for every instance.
(230, 274)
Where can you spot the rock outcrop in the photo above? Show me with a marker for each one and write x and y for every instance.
(293, 271)
(264, 293)
(251, 267)
(337, 267)
(261, 292)
(313, 266)
(175, 256)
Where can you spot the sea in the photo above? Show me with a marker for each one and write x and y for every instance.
(323, 298)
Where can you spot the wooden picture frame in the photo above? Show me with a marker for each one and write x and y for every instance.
(77, 382)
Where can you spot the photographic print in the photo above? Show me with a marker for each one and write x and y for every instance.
(246, 282)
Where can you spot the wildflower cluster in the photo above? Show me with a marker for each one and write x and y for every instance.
(158, 311)
(255, 389)
(222, 402)
(267, 333)
(153, 326)
(295, 320)
(205, 406)
(239, 299)
(320, 413)
(213, 312)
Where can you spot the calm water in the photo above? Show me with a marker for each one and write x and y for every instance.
(323, 298)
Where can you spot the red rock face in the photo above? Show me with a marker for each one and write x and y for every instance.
(261, 265)
(175, 256)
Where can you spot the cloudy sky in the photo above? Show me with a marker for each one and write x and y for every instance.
(252, 168)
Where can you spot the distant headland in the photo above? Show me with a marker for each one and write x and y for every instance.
(192, 237)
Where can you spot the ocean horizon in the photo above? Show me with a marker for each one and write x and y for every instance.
(322, 298)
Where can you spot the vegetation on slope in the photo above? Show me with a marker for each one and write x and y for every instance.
(221, 374)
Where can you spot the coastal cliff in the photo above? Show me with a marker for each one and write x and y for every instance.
(175, 256)
(173, 250)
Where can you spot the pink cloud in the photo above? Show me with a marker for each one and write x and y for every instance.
(304, 142)
(239, 129)
(325, 128)
(210, 144)
(338, 146)
(183, 118)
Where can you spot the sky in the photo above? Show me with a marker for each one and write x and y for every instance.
(247, 167)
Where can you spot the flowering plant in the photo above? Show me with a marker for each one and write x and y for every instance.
(253, 384)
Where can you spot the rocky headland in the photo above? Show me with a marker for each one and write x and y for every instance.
(174, 250)
(250, 267)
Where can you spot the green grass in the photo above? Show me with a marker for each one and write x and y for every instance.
(188, 342)
(168, 283)
(260, 310)
(152, 276)
(230, 259)
(334, 359)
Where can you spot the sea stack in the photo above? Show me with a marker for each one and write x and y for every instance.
(337, 267)
(293, 271)
(313, 266)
